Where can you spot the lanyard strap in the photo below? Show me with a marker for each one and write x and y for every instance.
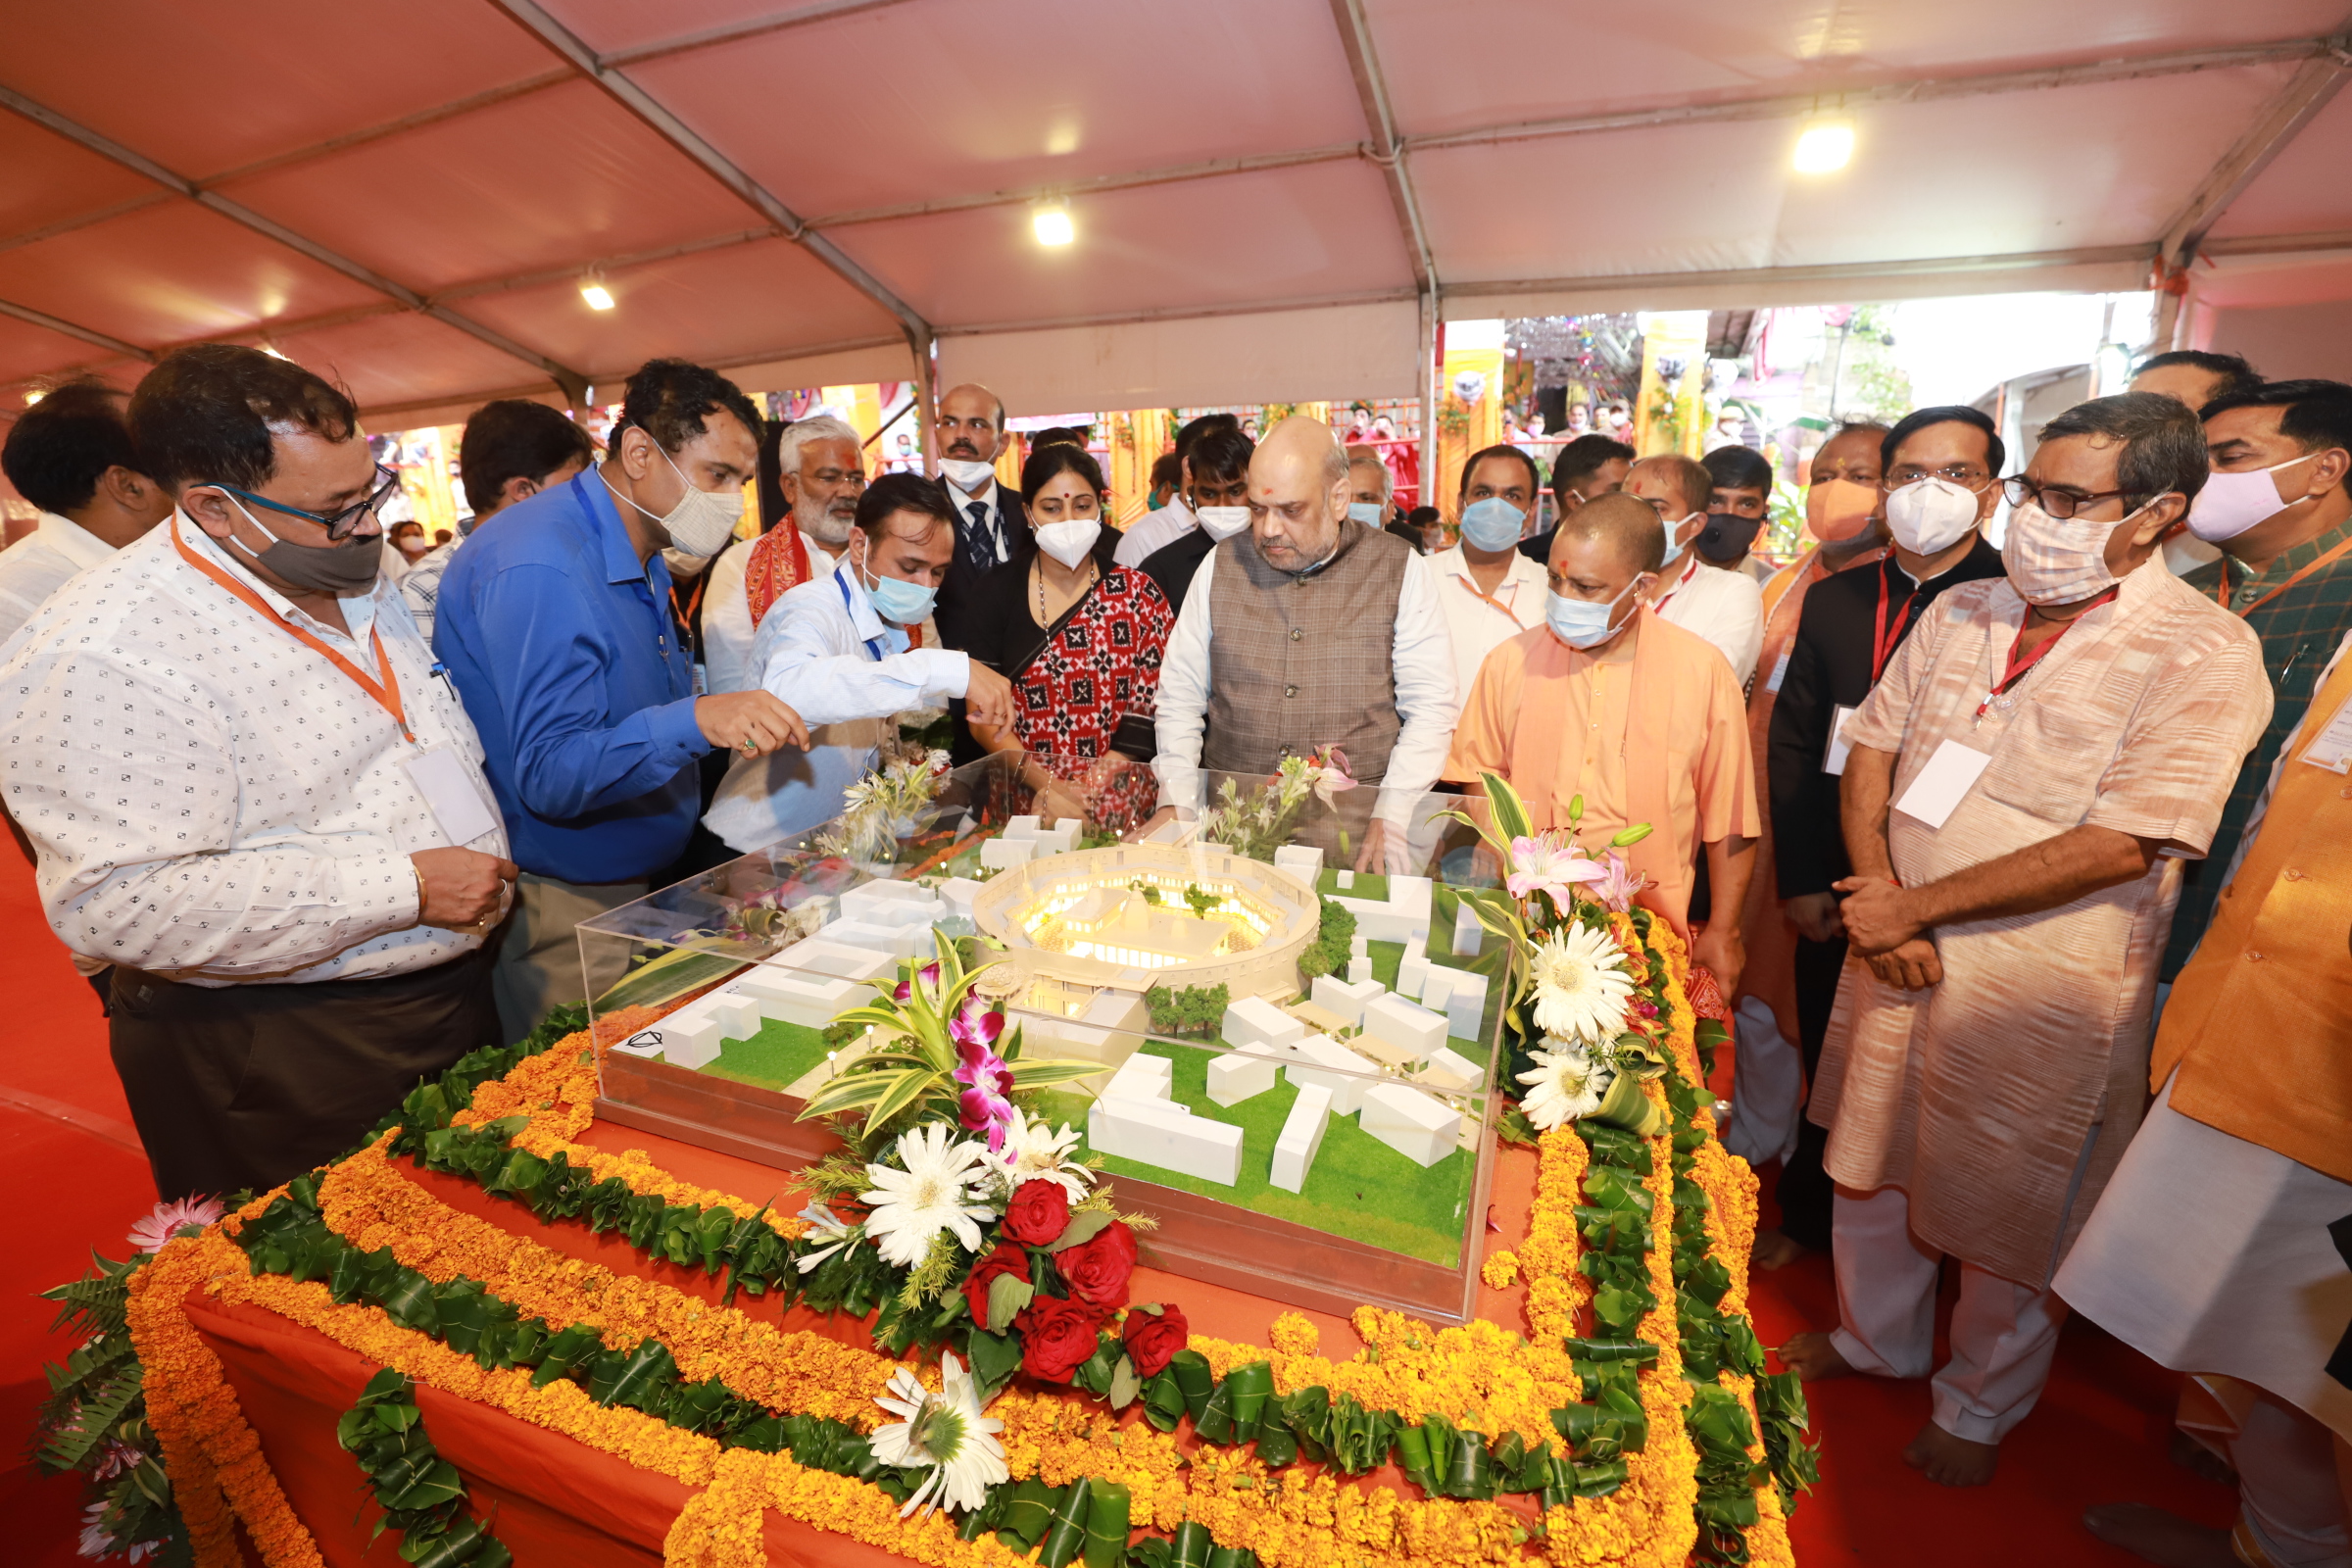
(1882, 643)
(1668, 596)
(2221, 590)
(2017, 668)
(1490, 601)
(873, 644)
(385, 689)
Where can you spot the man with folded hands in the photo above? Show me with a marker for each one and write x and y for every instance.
(2025, 781)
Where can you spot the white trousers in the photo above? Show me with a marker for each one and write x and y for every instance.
(2294, 1475)
(2003, 1334)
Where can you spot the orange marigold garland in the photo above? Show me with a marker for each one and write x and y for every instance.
(1480, 1375)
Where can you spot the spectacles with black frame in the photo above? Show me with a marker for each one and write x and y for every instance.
(340, 524)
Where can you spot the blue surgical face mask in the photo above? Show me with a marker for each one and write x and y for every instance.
(1367, 513)
(895, 599)
(1674, 548)
(1493, 523)
(1581, 622)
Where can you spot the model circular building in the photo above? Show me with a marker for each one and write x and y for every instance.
(1137, 915)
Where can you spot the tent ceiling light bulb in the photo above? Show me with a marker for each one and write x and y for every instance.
(599, 297)
(34, 396)
(1052, 222)
(1825, 146)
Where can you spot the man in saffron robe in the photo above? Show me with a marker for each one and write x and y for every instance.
(1641, 719)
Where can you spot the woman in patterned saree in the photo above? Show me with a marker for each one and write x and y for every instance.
(1080, 639)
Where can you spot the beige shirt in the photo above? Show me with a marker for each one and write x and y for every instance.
(2001, 1098)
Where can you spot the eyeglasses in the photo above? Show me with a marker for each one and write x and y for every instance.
(2057, 502)
(1967, 475)
(338, 526)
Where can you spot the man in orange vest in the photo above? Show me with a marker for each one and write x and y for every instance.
(2210, 1250)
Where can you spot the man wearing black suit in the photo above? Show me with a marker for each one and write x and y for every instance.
(988, 519)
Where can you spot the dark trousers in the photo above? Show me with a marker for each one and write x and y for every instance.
(1805, 1189)
(246, 1086)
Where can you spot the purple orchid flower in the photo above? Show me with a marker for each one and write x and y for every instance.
(928, 975)
(986, 1102)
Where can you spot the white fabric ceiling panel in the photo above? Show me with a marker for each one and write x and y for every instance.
(2303, 190)
(2123, 270)
(2090, 166)
(1269, 357)
(879, 362)
(1454, 64)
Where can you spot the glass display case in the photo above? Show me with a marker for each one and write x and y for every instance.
(1295, 1060)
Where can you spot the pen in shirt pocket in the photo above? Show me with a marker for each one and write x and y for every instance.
(441, 672)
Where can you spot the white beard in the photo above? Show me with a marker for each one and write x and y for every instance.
(826, 529)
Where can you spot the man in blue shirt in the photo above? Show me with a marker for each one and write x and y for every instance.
(555, 627)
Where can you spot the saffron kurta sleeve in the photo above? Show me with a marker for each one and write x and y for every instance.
(1724, 772)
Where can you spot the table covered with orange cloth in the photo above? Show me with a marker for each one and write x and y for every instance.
(251, 1359)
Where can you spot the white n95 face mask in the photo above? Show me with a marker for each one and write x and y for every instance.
(1931, 514)
(2236, 500)
(966, 476)
(1222, 522)
(1070, 541)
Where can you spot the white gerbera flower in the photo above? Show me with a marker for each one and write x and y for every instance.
(1565, 1086)
(934, 1192)
(943, 1433)
(1582, 988)
(1033, 1153)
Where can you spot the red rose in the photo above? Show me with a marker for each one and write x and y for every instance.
(1153, 1340)
(1057, 1336)
(1097, 1269)
(1040, 1212)
(1006, 1259)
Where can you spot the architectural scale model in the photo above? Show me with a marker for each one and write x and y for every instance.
(1086, 933)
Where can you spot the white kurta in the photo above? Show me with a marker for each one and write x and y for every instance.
(2001, 1100)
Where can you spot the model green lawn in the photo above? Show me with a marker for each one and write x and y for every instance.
(778, 1056)
(1357, 1187)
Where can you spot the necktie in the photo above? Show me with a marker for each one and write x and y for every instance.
(984, 536)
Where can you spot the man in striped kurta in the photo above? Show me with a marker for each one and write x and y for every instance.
(2052, 743)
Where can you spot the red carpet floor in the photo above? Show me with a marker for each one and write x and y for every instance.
(67, 1157)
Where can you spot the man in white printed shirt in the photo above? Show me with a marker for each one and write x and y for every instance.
(836, 651)
(70, 455)
(280, 834)
(1488, 591)
(1310, 631)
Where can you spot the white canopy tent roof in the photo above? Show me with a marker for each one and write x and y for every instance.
(1273, 199)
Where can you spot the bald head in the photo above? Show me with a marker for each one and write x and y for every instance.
(1625, 526)
(1298, 494)
(971, 423)
(1605, 554)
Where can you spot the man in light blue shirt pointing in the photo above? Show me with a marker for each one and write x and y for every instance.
(840, 652)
